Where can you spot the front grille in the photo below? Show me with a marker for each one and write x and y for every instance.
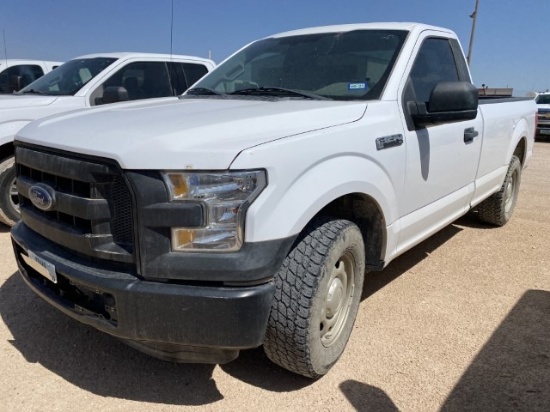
(92, 210)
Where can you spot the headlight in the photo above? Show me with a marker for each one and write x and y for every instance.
(225, 197)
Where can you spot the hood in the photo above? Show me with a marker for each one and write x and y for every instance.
(545, 107)
(15, 101)
(187, 133)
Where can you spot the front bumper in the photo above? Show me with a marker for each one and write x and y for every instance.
(180, 322)
(543, 129)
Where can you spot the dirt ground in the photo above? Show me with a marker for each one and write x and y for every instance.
(461, 322)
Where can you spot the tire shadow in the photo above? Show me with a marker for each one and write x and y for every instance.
(254, 367)
(512, 370)
(94, 361)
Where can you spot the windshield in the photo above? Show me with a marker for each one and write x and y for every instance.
(543, 99)
(68, 78)
(350, 65)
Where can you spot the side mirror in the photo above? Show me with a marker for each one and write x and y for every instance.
(15, 83)
(113, 94)
(449, 102)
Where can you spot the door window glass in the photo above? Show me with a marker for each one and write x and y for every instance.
(16, 77)
(193, 72)
(434, 63)
(141, 80)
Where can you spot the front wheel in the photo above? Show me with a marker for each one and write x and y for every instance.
(498, 208)
(318, 291)
(9, 200)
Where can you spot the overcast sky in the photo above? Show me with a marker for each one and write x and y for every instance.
(511, 47)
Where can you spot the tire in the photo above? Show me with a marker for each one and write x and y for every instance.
(318, 291)
(498, 209)
(9, 202)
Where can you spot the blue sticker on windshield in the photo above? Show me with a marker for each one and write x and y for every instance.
(358, 86)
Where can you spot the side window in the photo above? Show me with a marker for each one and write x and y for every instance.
(177, 78)
(4, 81)
(29, 73)
(193, 72)
(17, 77)
(434, 63)
(141, 80)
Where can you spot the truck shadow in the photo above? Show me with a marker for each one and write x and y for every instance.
(374, 281)
(95, 361)
(512, 370)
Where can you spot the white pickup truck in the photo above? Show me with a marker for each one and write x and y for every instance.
(249, 211)
(83, 82)
(18, 73)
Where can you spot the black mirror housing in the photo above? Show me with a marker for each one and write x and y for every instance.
(113, 94)
(449, 102)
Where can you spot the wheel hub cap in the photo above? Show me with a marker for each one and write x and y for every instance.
(14, 197)
(335, 297)
(509, 194)
(338, 299)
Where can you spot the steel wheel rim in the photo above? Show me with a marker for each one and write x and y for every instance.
(338, 299)
(14, 195)
(509, 193)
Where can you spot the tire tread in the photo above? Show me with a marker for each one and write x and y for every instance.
(491, 210)
(286, 336)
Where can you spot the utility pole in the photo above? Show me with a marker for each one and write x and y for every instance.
(473, 16)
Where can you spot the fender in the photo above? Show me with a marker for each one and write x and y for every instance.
(521, 131)
(284, 209)
(9, 129)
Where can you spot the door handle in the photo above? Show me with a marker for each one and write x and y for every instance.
(470, 134)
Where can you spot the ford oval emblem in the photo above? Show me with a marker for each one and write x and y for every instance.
(42, 196)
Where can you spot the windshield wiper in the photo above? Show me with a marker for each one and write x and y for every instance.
(32, 91)
(278, 91)
(198, 91)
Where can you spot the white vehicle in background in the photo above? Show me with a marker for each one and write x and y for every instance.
(543, 123)
(83, 82)
(18, 73)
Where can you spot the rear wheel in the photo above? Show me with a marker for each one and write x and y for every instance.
(318, 291)
(498, 209)
(9, 200)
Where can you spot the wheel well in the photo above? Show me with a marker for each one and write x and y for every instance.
(6, 151)
(365, 212)
(520, 150)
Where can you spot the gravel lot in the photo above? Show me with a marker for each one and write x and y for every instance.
(461, 322)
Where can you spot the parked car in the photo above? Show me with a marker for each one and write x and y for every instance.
(248, 211)
(84, 82)
(16, 73)
(543, 122)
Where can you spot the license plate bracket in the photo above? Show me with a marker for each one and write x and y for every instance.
(42, 266)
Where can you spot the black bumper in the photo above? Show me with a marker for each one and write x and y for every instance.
(182, 322)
